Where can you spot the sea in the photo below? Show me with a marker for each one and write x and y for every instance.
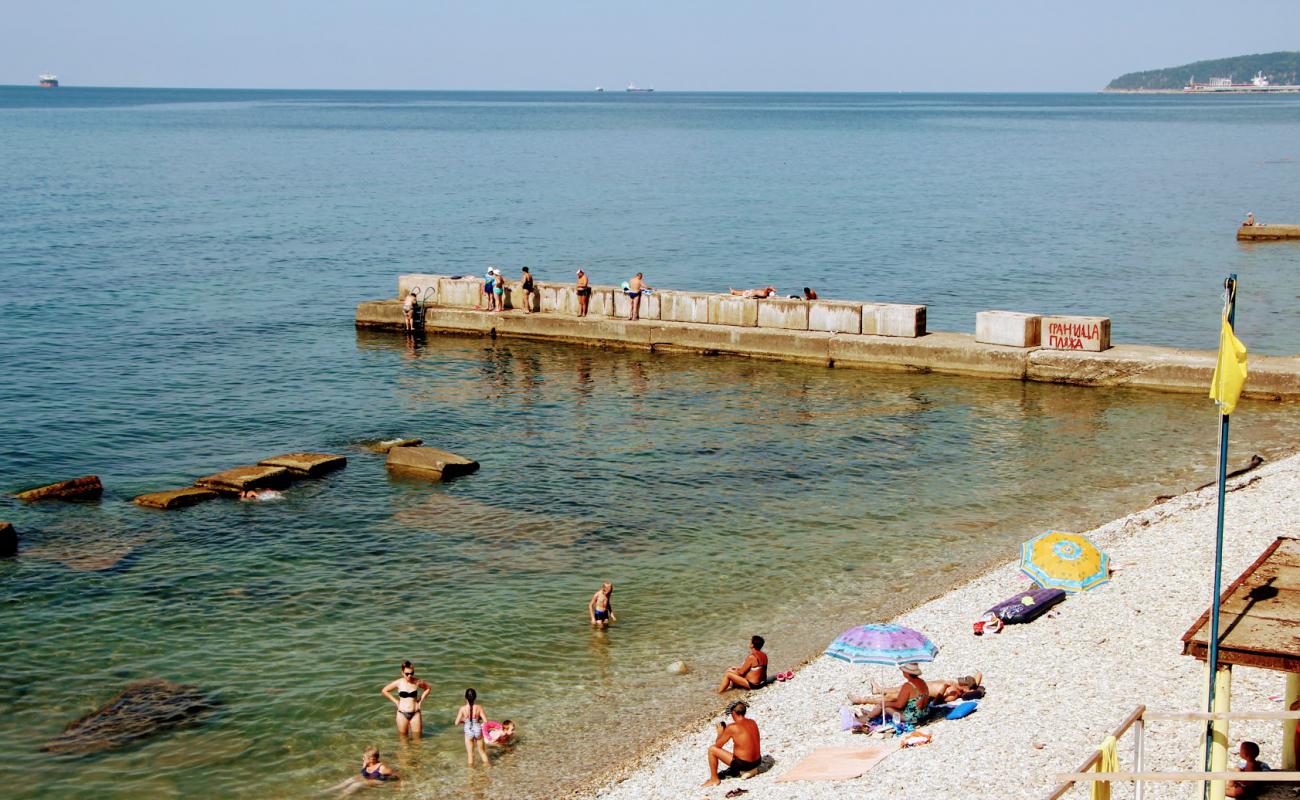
(178, 275)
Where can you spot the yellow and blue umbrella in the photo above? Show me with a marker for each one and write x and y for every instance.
(1060, 560)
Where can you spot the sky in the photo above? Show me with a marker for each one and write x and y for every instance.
(683, 45)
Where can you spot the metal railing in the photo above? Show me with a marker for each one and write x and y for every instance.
(1136, 721)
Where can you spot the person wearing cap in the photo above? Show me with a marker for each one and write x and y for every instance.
(489, 280)
(583, 290)
(745, 756)
(408, 309)
(1250, 219)
(911, 700)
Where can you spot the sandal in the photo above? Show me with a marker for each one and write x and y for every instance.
(737, 792)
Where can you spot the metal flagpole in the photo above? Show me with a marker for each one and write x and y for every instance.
(1212, 657)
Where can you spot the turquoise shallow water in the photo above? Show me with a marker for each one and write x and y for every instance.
(179, 274)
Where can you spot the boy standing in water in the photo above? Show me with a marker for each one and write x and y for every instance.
(601, 607)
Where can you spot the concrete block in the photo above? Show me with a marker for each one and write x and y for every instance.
(430, 460)
(1091, 334)
(515, 297)
(388, 444)
(836, 317)
(85, 487)
(589, 330)
(380, 314)
(741, 312)
(601, 303)
(683, 307)
(240, 479)
(651, 305)
(8, 540)
(559, 298)
(1009, 328)
(176, 498)
(951, 353)
(460, 292)
(783, 313)
(893, 319)
(311, 465)
(785, 345)
(425, 285)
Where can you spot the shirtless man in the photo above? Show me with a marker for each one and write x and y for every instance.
(746, 756)
(583, 289)
(756, 293)
(751, 673)
(601, 607)
(634, 289)
(1250, 219)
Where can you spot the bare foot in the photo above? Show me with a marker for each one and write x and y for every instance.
(711, 782)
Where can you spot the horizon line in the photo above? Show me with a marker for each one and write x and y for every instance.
(655, 90)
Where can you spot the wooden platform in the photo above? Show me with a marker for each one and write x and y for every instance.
(1258, 233)
(1259, 622)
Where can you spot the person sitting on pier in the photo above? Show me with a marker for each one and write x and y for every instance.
(746, 754)
(583, 290)
(635, 288)
(767, 291)
(1250, 219)
(408, 310)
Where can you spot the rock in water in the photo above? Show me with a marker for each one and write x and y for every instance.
(143, 709)
(85, 487)
(240, 479)
(430, 461)
(175, 498)
(8, 540)
(678, 668)
(311, 465)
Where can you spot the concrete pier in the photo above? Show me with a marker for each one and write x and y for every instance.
(838, 334)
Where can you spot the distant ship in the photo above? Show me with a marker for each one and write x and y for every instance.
(1259, 83)
(632, 87)
(50, 81)
(600, 88)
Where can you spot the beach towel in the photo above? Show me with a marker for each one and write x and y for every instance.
(1026, 606)
(836, 763)
(1109, 762)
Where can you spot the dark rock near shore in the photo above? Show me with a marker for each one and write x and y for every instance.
(85, 487)
(431, 461)
(142, 710)
(8, 540)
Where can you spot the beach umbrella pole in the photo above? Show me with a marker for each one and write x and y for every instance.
(1212, 656)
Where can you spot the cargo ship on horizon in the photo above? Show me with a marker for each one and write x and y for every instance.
(1260, 83)
(49, 81)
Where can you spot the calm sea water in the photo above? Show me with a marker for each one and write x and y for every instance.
(178, 272)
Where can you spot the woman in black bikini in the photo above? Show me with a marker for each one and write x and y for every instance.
(373, 772)
(408, 700)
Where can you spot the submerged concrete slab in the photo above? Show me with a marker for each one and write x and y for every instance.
(241, 479)
(388, 444)
(806, 346)
(175, 498)
(741, 312)
(431, 461)
(1076, 333)
(311, 465)
(783, 313)
(1010, 328)
(684, 307)
(835, 316)
(83, 488)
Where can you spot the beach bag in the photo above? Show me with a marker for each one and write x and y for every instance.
(1026, 606)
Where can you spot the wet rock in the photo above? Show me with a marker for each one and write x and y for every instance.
(678, 668)
(240, 479)
(142, 710)
(8, 540)
(431, 461)
(85, 487)
(311, 465)
(175, 498)
(389, 444)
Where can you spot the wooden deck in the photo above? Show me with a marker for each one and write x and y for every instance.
(1259, 622)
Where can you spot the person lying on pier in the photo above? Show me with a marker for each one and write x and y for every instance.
(746, 754)
(809, 294)
(767, 291)
(583, 290)
(1248, 752)
(750, 673)
(911, 700)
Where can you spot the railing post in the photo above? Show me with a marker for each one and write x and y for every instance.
(1139, 756)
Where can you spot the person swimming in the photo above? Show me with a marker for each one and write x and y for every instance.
(408, 700)
(471, 717)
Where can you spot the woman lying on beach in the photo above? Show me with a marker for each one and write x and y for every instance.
(911, 699)
(373, 773)
(408, 703)
(750, 673)
(757, 293)
(471, 717)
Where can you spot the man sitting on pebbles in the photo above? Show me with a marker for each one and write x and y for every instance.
(746, 756)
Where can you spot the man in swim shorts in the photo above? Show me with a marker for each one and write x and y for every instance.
(634, 289)
(601, 607)
(746, 755)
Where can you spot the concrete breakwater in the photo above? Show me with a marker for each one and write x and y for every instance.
(834, 333)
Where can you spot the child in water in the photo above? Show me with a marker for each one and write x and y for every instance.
(499, 734)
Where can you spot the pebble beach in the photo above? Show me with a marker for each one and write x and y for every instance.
(1056, 687)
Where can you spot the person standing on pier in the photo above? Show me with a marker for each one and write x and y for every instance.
(530, 290)
(583, 289)
(635, 288)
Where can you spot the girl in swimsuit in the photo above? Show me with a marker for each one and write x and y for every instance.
(408, 700)
(471, 718)
(373, 771)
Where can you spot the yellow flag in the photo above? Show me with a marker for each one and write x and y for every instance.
(1230, 371)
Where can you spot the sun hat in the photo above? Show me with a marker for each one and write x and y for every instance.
(911, 669)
